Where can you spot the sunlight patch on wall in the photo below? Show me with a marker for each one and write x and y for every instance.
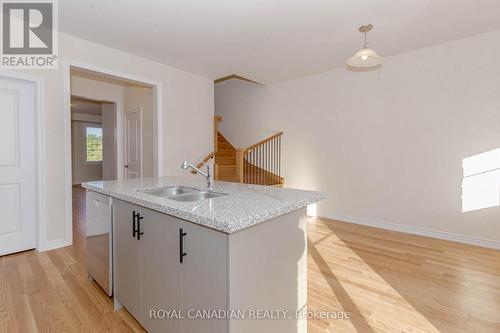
(481, 181)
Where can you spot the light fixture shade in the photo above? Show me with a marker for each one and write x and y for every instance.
(365, 58)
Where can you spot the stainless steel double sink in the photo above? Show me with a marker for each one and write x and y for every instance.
(180, 193)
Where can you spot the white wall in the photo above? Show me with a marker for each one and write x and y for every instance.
(82, 171)
(135, 98)
(109, 143)
(385, 145)
(186, 97)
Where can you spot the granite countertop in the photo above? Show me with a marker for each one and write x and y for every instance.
(245, 206)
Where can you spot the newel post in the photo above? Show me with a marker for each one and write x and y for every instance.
(240, 159)
(216, 170)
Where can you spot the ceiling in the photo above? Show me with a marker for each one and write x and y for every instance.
(271, 40)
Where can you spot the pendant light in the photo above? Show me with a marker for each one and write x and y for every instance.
(366, 58)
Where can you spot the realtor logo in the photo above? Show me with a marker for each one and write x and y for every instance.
(29, 34)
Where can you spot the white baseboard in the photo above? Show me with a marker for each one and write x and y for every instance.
(415, 230)
(54, 244)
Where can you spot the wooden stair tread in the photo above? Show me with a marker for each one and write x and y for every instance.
(222, 161)
(233, 179)
(226, 167)
(225, 153)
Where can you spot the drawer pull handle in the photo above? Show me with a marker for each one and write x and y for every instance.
(139, 232)
(182, 254)
(134, 221)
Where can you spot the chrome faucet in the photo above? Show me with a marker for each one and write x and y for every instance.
(208, 175)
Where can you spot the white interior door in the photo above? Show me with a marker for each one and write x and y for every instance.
(133, 144)
(17, 166)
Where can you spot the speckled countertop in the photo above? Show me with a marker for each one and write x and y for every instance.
(244, 206)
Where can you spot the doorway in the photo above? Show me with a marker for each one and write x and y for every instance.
(132, 150)
(93, 132)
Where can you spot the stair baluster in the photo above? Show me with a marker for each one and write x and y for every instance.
(258, 164)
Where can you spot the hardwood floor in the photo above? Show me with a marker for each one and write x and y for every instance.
(50, 291)
(395, 282)
(386, 281)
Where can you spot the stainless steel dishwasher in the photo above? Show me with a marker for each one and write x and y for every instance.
(99, 242)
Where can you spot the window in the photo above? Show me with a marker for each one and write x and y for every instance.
(93, 144)
(481, 181)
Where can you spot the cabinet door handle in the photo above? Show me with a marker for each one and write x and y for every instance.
(134, 228)
(182, 254)
(139, 232)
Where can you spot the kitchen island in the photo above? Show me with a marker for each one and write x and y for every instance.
(225, 260)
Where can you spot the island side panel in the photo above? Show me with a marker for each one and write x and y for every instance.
(268, 271)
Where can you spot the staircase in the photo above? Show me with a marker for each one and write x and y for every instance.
(258, 164)
(225, 160)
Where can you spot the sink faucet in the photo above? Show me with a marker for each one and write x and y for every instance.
(208, 175)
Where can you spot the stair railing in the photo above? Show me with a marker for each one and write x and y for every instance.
(260, 163)
(217, 120)
(202, 163)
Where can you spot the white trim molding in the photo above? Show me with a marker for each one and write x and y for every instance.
(415, 230)
(55, 244)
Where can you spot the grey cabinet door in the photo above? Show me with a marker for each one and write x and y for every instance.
(161, 274)
(204, 277)
(127, 258)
